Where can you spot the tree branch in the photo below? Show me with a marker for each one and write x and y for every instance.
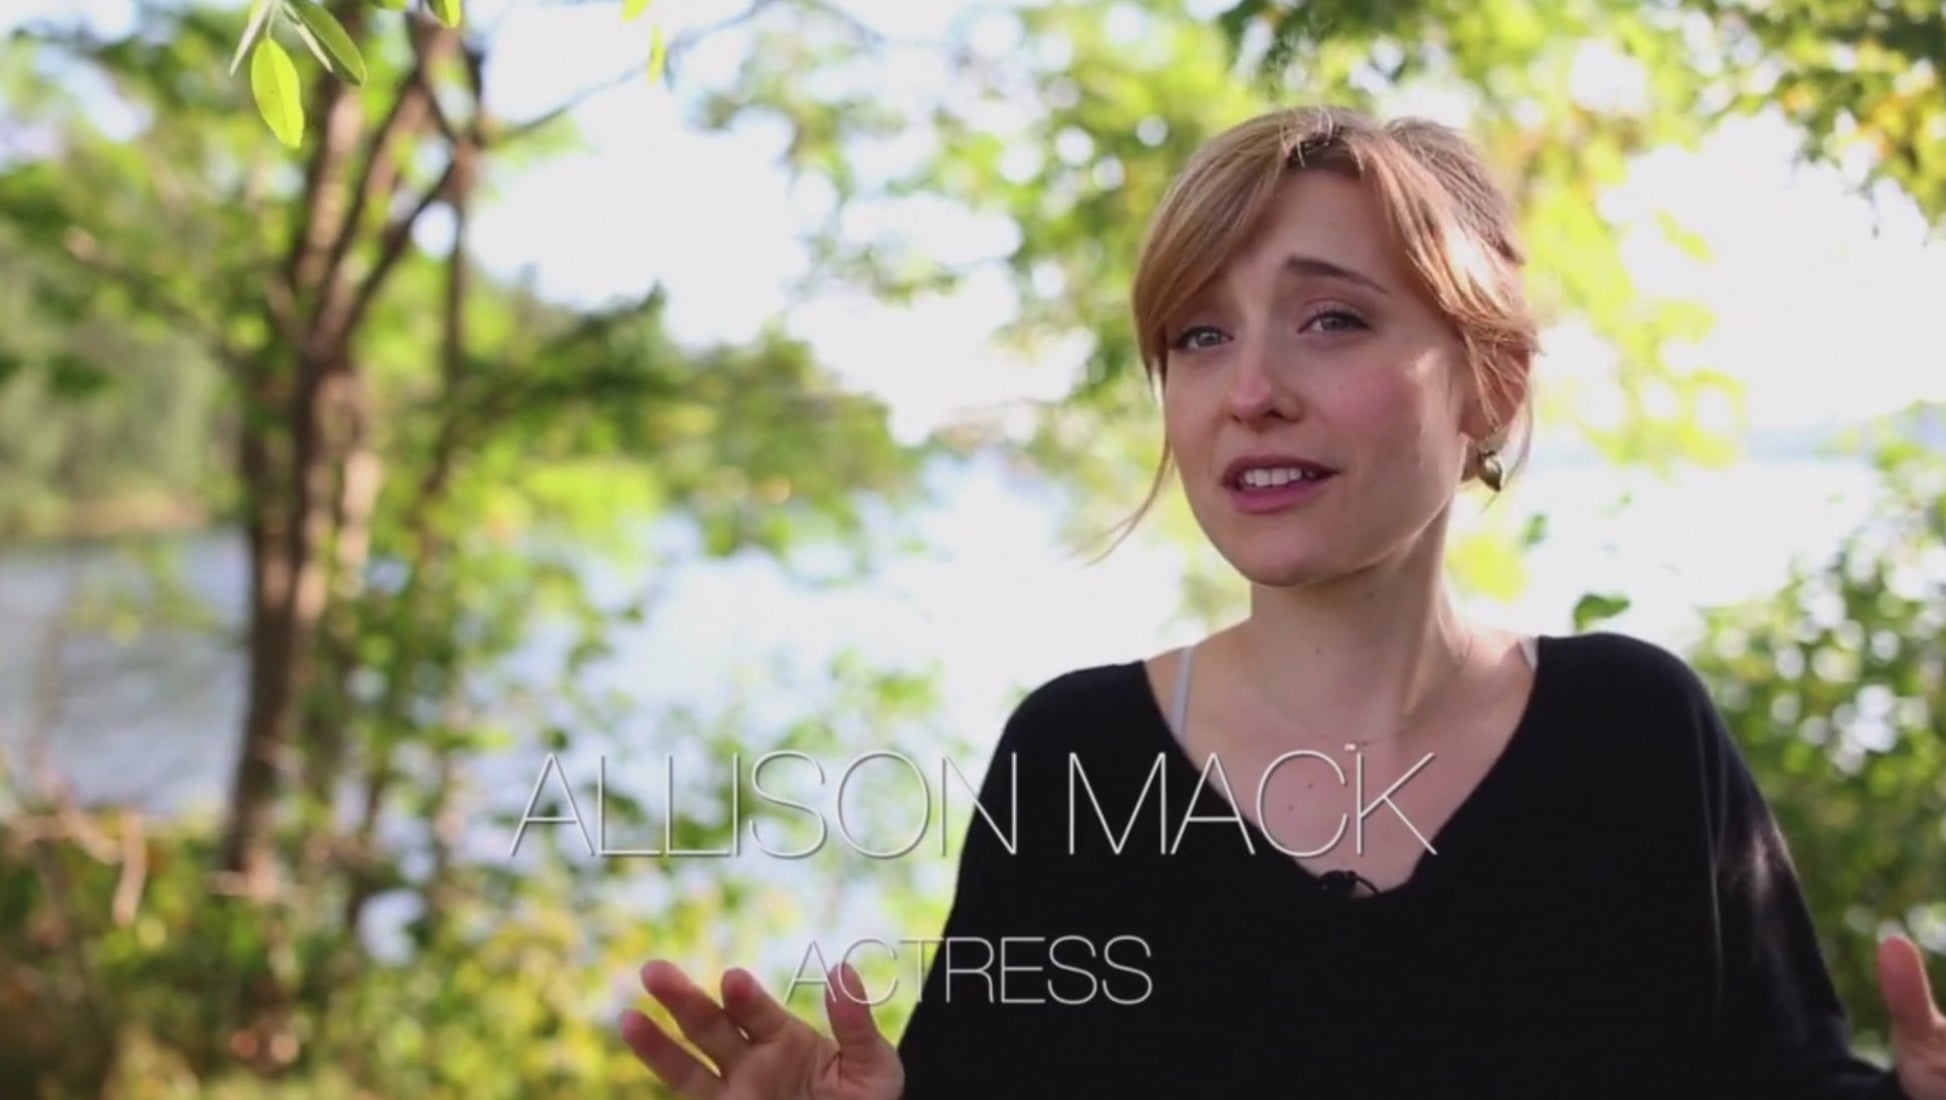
(499, 139)
(311, 242)
(379, 174)
(678, 46)
(391, 249)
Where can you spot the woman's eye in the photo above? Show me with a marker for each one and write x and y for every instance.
(1336, 320)
(1196, 337)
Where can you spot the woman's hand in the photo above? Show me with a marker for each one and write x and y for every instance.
(1918, 1027)
(760, 1049)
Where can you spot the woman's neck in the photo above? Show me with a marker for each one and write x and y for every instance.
(1360, 659)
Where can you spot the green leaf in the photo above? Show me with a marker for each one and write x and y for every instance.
(71, 376)
(1596, 607)
(1689, 241)
(658, 53)
(311, 43)
(273, 80)
(1534, 532)
(253, 29)
(327, 32)
(633, 9)
(448, 11)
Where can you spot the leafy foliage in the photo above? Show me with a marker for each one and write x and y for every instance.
(1832, 687)
(1861, 80)
(274, 78)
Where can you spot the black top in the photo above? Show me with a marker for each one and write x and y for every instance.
(1611, 913)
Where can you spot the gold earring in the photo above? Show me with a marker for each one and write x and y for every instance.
(1492, 474)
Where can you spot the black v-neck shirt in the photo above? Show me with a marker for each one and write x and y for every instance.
(1611, 912)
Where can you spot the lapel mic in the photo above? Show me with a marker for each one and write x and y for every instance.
(1343, 885)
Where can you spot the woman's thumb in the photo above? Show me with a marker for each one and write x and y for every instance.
(1908, 996)
(852, 1024)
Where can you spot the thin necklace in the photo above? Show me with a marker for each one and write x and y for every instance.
(1472, 640)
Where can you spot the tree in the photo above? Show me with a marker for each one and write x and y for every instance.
(422, 460)
(293, 316)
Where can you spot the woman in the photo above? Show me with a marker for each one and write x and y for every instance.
(1353, 846)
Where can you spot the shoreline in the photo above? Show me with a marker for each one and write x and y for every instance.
(127, 518)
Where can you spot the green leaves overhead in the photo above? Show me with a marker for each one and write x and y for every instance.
(327, 38)
(273, 80)
(254, 27)
(336, 50)
(1862, 80)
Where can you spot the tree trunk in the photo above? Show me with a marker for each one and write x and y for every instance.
(287, 471)
(290, 511)
(357, 479)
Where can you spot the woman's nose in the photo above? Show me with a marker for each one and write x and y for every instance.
(1255, 392)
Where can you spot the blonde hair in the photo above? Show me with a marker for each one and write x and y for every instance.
(1451, 221)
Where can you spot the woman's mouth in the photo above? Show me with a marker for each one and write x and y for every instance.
(1260, 489)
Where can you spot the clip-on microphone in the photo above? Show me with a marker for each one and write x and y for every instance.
(1342, 885)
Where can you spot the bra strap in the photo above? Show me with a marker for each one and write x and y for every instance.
(1179, 705)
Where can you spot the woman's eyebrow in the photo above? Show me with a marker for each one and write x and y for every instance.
(1325, 269)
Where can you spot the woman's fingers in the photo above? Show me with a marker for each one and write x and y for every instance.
(852, 1025)
(678, 1068)
(749, 1018)
(702, 1020)
(753, 1009)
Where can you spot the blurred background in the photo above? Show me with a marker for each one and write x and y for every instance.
(598, 398)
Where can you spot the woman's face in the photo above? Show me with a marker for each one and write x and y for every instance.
(1317, 405)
